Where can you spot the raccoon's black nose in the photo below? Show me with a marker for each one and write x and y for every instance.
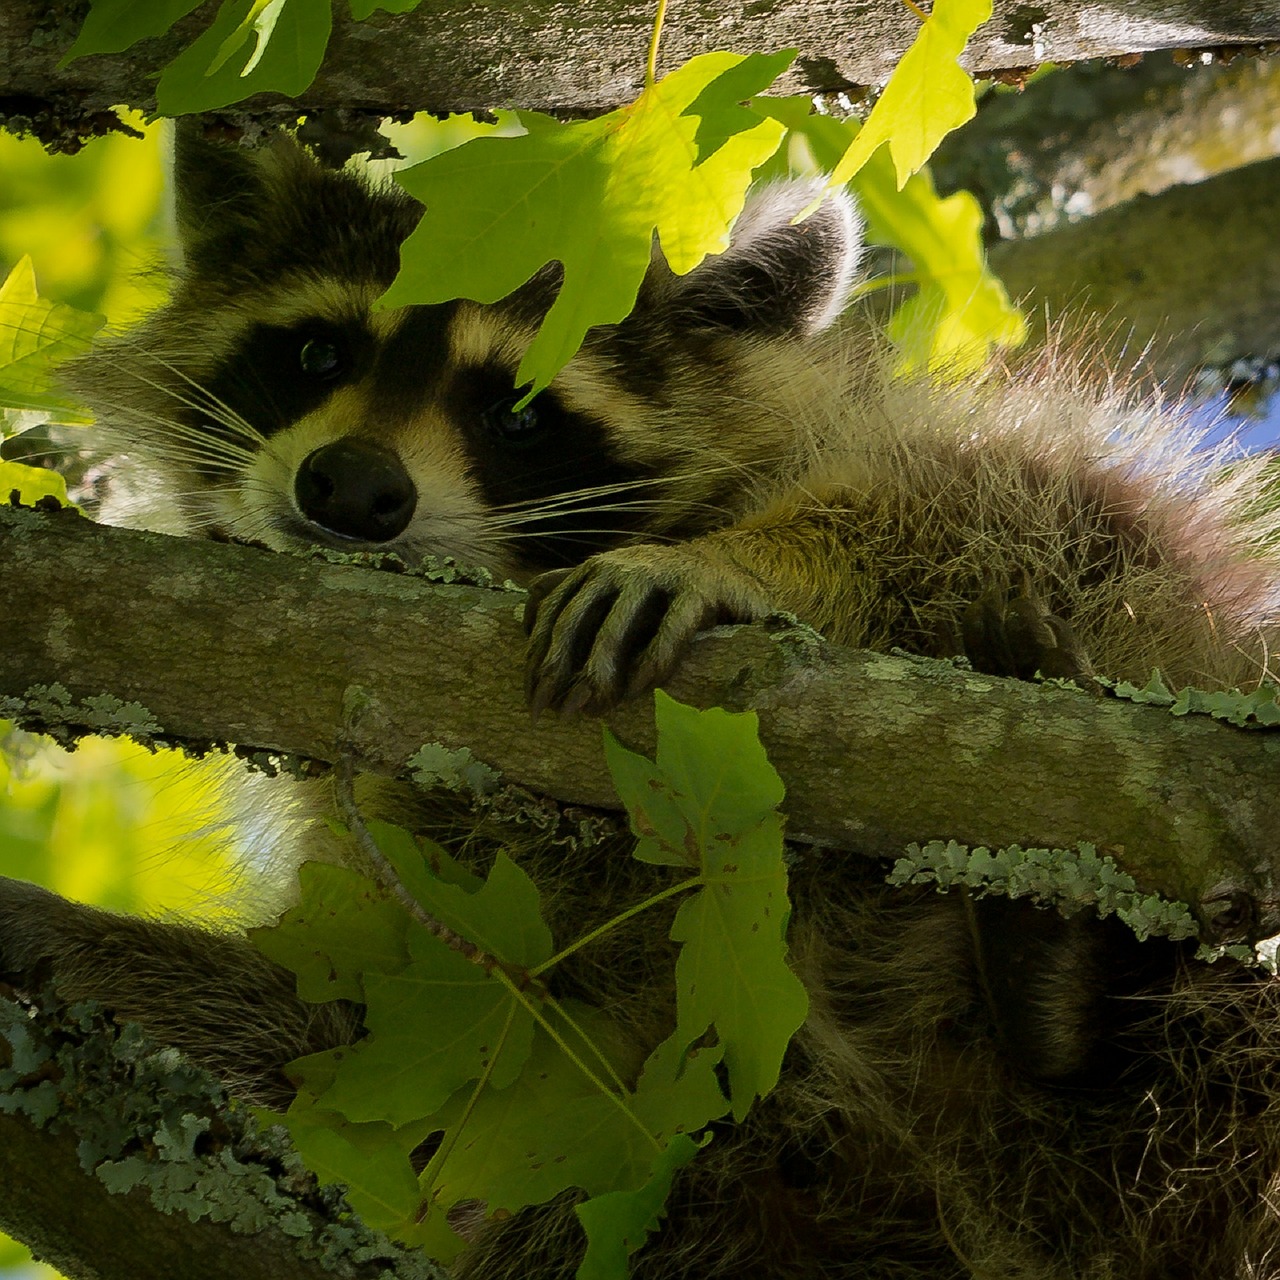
(356, 489)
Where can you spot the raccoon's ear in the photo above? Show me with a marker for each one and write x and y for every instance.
(223, 193)
(777, 276)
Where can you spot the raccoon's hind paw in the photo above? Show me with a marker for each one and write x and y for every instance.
(1015, 635)
(619, 623)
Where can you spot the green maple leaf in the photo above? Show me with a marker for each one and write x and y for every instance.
(35, 337)
(440, 1022)
(112, 26)
(732, 971)
(342, 925)
(710, 781)
(253, 46)
(557, 1127)
(710, 798)
(590, 195)
(618, 1222)
(501, 914)
(960, 309)
(927, 96)
(373, 1166)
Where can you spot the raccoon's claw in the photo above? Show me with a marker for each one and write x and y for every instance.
(1016, 636)
(619, 624)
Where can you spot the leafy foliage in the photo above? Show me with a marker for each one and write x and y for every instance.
(590, 195)
(253, 46)
(927, 96)
(528, 1095)
(523, 1094)
(35, 336)
(90, 222)
(959, 310)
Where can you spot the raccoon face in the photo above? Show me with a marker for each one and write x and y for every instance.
(285, 408)
(403, 430)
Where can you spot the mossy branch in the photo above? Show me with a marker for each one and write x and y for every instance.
(121, 1161)
(199, 644)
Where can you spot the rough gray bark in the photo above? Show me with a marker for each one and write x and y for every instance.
(86, 1110)
(589, 56)
(230, 643)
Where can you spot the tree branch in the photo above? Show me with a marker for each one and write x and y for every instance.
(167, 1179)
(454, 56)
(1193, 272)
(219, 643)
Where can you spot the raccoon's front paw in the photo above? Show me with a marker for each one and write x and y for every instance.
(1015, 635)
(619, 623)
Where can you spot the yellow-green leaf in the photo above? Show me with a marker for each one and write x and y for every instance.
(927, 96)
(590, 195)
(960, 310)
(35, 336)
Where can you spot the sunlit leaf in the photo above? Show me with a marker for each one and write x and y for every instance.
(960, 309)
(35, 336)
(91, 222)
(927, 96)
(590, 195)
(31, 483)
(252, 47)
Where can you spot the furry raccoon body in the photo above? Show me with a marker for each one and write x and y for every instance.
(725, 452)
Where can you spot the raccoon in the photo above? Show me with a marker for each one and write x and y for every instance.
(981, 1089)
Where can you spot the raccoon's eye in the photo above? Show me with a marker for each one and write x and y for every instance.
(320, 359)
(518, 427)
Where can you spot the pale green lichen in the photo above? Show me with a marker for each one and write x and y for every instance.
(1258, 709)
(442, 569)
(435, 765)
(146, 1118)
(66, 718)
(1067, 879)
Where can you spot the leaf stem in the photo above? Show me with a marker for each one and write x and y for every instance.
(618, 1100)
(614, 921)
(651, 67)
(427, 1179)
(917, 10)
(554, 1006)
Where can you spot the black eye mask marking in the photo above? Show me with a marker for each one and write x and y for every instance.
(280, 373)
(544, 453)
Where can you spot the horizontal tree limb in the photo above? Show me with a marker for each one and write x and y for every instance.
(1171, 308)
(231, 643)
(589, 56)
